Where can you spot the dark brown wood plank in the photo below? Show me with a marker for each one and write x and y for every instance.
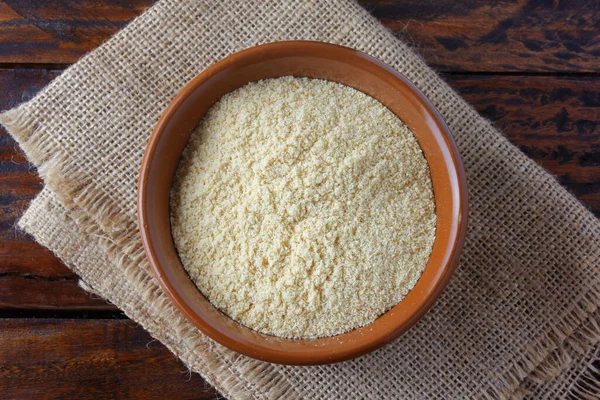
(554, 120)
(505, 35)
(41, 293)
(463, 35)
(31, 277)
(90, 359)
(60, 31)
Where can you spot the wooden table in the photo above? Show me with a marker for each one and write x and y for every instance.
(530, 66)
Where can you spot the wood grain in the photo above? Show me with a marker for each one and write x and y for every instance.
(552, 119)
(464, 35)
(90, 359)
(60, 31)
(512, 35)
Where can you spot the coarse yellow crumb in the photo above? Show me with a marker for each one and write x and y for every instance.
(302, 208)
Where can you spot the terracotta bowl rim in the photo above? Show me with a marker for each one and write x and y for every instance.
(457, 240)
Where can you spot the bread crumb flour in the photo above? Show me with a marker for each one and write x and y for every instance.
(302, 208)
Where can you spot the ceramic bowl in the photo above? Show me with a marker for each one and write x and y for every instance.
(315, 60)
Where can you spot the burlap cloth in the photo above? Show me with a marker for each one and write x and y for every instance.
(520, 317)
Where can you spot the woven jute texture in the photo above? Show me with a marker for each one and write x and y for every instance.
(519, 319)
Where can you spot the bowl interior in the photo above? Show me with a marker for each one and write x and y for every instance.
(315, 60)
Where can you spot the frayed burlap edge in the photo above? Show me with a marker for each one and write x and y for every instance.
(119, 239)
(138, 296)
(588, 386)
(538, 360)
(583, 340)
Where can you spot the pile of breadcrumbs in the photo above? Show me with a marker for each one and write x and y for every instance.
(303, 208)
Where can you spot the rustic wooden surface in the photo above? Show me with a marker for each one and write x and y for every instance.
(530, 66)
(90, 359)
